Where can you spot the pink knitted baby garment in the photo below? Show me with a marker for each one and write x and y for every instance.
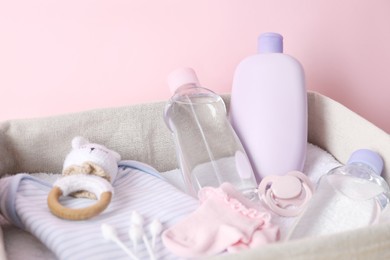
(225, 220)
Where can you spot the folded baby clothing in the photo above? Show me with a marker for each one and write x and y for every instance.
(225, 220)
(23, 201)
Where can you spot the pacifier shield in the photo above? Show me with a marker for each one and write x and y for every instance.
(286, 187)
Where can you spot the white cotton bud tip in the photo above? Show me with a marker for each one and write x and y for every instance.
(109, 233)
(137, 219)
(155, 227)
(135, 233)
(155, 230)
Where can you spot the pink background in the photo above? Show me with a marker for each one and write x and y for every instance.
(64, 56)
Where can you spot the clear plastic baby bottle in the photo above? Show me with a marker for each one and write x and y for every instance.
(208, 150)
(346, 198)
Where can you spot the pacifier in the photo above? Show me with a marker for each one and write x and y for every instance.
(286, 195)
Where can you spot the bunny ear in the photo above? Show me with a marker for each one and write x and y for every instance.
(79, 141)
(116, 155)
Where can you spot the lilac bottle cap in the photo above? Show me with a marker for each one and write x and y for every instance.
(368, 157)
(181, 77)
(270, 43)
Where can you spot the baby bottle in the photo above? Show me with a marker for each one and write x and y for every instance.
(348, 197)
(208, 150)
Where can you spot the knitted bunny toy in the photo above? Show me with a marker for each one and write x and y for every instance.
(88, 171)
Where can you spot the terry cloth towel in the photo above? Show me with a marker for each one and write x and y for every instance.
(24, 203)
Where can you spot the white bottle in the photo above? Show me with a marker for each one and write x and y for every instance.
(268, 109)
(208, 150)
(348, 197)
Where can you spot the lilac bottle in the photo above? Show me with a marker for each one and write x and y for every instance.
(268, 108)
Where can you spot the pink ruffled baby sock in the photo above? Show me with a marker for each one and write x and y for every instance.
(224, 220)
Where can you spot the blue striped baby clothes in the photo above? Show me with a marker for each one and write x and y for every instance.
(23, 201)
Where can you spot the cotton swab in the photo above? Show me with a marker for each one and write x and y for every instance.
(149, 248)
(109, 233)
(137, 219)
(136, 233)
(155, 230)
(136, 230)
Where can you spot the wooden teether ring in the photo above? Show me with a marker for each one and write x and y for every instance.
(99, 188)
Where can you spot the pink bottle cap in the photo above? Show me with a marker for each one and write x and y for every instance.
(181, 77)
